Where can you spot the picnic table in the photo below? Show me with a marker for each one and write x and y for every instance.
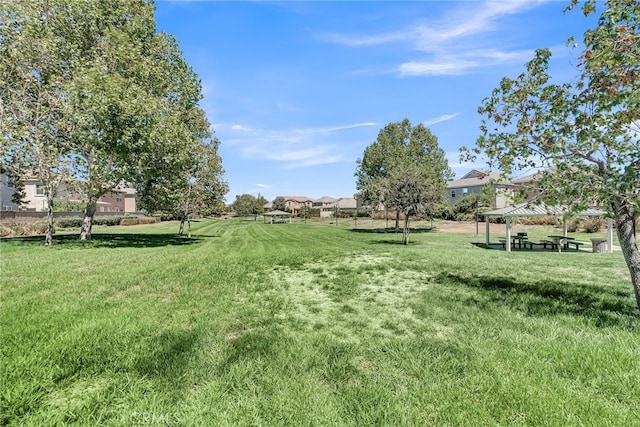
(518, 239)
(563, 242)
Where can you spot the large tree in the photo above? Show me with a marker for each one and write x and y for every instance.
(183, 191)
(91, 90)
(404, 169)
(135, 99)
(586, 131)
(33, 71)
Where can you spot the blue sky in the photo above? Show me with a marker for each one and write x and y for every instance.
(295, 91)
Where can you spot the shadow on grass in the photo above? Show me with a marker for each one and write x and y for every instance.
(392, 230)
(168, 356)
(108, 240)
(606, 306)
(395, 242)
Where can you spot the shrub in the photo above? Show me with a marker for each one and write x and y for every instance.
(129, 221)
(68, 222)
(39, 227)
(23, 228)
(107, 220)
(593, 224)
(148, 220)
(540, 220)
(573, 225)
(5, 230)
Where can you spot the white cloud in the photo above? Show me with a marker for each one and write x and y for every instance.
(454, 43)
(263, 186)
(440, 119)
(444, 67)
(292, 148)
(362, 40)
(241, 128)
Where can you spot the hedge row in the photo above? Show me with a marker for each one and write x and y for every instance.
(108, 221)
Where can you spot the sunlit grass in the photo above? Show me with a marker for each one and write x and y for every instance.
(312, 324)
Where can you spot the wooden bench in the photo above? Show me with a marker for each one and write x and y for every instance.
(551, 243)
(575, 243)
(542, 243)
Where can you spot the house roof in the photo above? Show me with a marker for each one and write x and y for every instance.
(299, 199)
(533, 177)
(541, 209)
(477, 178)
(326, 199)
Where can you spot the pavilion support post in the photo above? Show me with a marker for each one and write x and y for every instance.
(564, 226)
(610, 234)
(486, 225)
(508, 243)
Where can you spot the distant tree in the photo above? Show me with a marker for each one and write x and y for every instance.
(404, 169)
(279, 204)
(199, 189)
(248, 204)
(586, 130)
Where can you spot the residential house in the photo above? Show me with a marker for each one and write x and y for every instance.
(529, 185)
(326, 205)
(122, 199)
(475, 181)
(293, 204)
(6, 192)
(347, 204)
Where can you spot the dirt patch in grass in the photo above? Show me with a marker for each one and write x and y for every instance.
(356, 296)
(464, 227)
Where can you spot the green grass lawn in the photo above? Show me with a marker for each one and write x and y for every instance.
(312, 325)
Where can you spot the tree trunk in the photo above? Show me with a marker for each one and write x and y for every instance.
(405, 231)
(397, 220)
(386, 217)
(181, 229)
(624, 217)
(188, 227)
(48, 239)
(185, 214)
(87, 221)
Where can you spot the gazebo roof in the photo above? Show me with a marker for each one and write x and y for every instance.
(277, 213)
(540, 209)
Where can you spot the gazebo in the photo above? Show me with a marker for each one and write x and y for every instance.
(540, 209)
(277, 216)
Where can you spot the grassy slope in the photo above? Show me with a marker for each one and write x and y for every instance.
(294, 324)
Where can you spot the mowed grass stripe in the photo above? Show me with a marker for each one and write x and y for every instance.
(304, 324)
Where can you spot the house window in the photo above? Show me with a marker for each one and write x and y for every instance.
(116, 209)
(119, 197)
(465, 191)
(7, 208)
(453, 193)
(39, 190)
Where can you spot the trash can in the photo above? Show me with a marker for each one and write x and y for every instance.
(599, 245)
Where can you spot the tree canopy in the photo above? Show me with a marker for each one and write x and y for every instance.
(248, 204)
(585, 132)
(404, 169)
(92, 92)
